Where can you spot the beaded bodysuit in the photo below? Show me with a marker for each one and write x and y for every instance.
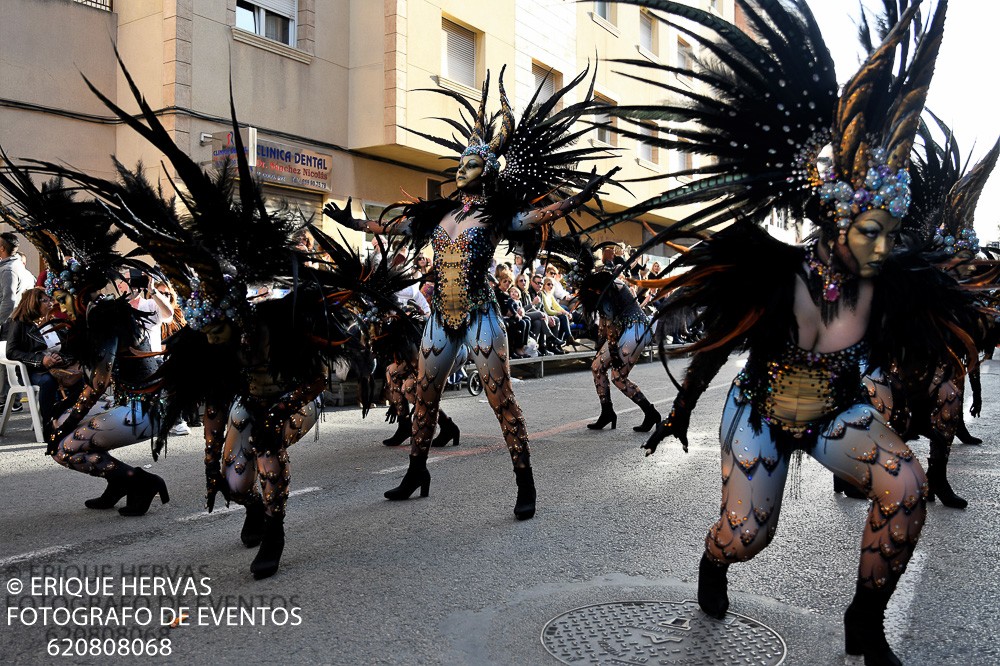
(462, 264)
(625, 328)
(800, 391)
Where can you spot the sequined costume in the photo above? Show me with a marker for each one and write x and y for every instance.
(490, 204)
(105, 335)
(401, 355)
(255, 357)
(781, 135)
(625, 330)
(84, 435)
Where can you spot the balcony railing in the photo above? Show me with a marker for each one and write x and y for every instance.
(96, 4)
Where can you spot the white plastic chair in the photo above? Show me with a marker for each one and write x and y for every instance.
(17, 387)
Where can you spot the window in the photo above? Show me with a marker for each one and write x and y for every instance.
(682, 160)
(458, 54)
(605, 133)
(715, 5)
(546, 81)
(647, 151)
(685, 55)
(273, 19)
(603, 9)
(647, 32)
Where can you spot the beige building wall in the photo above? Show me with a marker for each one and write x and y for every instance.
(346, 88)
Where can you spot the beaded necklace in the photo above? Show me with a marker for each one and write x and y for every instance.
(832, 279)
(469, 201)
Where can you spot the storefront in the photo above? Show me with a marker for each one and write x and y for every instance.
(288, 174)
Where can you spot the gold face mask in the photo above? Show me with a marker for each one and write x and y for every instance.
(870, 239)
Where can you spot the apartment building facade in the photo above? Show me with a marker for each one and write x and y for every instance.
(326, 87)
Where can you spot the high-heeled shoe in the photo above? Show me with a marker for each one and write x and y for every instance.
(607, 416)
(449, 431)
(404, 430)
(938, 486)
(272, 544)
(966, 437)
(142, 488)
(416, 476)
(117, 489)
(253, 524)
(713, 587)
(652, 416)
(524, 506)
(864, 627)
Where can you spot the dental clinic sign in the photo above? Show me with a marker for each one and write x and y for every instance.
(275, 163)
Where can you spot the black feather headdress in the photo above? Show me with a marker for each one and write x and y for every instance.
(765, 109)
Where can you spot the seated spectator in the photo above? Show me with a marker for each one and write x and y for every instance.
(552, 308)
(518, 325)
(26, 343)
(541, 323)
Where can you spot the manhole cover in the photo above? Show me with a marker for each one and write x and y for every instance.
(659, 632)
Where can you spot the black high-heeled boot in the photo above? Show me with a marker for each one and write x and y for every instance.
(449, 431)
(142, 488)
(253, 524)
(937, 477)
(652, 416)
(272, 544)
(842, 486)
(416, 476)
(965, 436)
(713, 587)
(117, 489)
(524, 506)
(864, 627)
(607, 416)
(404, 430)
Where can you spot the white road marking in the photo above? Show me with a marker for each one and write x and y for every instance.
(42, 552)
(232, 509)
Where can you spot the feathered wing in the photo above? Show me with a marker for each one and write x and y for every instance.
(768, 92)
(740, 282)
(949, 326)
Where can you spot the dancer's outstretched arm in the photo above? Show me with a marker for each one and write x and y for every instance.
(344, 217)
(704, 367)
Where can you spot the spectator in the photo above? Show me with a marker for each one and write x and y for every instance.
(26, 343)
(541, 323)
(15, 279)
(144, 298)
(552, 308)
(167, 329)
(517, 323)
(425, 266)
(535, 289)
(412, 292)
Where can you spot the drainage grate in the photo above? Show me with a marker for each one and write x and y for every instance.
(659, 632)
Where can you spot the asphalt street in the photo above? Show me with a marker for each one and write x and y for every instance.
(453, 578)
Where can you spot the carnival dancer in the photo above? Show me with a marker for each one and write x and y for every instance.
(946, 204)
(257, 365)
(622, 325)
(108, 337)
(464, 229)
(782, 139)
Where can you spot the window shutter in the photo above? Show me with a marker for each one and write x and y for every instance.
(646, 31)
(458, 53)
(287, 8)
(548, 85)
